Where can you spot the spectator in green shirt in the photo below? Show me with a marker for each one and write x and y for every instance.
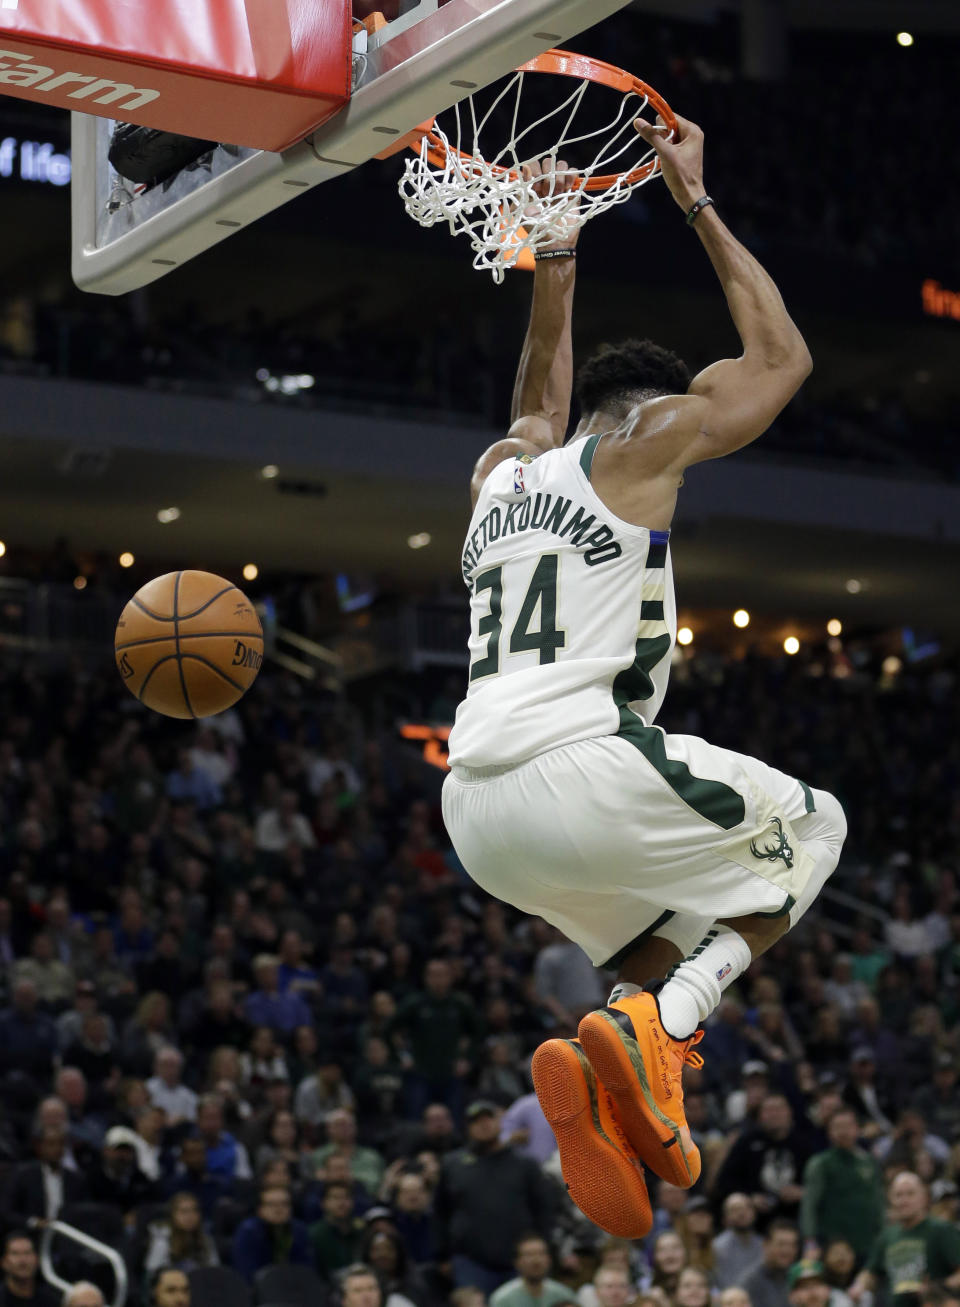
(366, 1164)
(842, 1190)
(438, 1031)
(914, 1251)
(868, 957)
(807, 1285)
(337, 1236)
(531, 1288)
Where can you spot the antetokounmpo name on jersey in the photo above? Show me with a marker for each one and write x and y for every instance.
(544, 512)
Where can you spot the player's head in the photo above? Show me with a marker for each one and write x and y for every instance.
(618, 377)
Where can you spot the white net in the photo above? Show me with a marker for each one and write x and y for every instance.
(489, 201)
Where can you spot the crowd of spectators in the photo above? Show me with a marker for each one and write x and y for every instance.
(258, 1025)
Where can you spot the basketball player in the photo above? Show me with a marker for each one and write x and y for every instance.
(659, 854)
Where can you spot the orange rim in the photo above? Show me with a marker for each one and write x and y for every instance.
(564, 63)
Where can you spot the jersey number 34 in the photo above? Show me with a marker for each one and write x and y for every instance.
(542, 592)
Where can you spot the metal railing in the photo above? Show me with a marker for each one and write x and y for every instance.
(50, 1228)
(312, 661)
(38, 618)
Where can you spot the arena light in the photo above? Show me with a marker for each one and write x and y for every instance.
(79, 583)
(250, 571)
(741, 618)
(3, 549)
(854, 586)
(834, 626)
(287, 383)
(684, 635)
(270, 471)
(126, 559)
(420, 540)
(791, 645)
(166, 515)
(905, 39)
(891, 665)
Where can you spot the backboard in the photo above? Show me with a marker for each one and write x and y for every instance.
(411, 68)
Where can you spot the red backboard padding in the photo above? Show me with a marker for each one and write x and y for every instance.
(260, 73)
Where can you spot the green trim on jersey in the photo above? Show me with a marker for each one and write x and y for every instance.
(587, 453)
(807, 796)
(712, 800)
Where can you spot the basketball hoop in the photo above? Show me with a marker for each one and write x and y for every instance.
(451, 180)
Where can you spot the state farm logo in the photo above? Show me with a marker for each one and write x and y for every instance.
(18, 69)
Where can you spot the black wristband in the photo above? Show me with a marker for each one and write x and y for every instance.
(555, 254)
(703, 202)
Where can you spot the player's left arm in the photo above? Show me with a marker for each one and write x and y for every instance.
(732, 402)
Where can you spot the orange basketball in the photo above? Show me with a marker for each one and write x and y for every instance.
(189, 644)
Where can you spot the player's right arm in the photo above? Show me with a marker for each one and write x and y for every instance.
(732, 402)
(540, 408)
(493, 456)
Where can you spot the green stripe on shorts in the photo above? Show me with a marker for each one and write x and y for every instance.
(635, 682)
(778, 912)
(712, 800)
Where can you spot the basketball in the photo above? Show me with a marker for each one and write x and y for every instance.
(189, 644)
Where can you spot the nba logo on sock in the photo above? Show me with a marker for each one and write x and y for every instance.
(725, 970)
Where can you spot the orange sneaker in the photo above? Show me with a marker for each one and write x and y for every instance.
(602, 1172)
(642, 1068)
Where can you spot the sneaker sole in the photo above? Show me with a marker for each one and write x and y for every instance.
(610, 1042)
(605, 1184)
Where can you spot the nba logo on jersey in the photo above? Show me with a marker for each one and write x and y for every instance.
(725, 970)
(518, 486)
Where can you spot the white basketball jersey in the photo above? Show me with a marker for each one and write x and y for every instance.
(572, 612)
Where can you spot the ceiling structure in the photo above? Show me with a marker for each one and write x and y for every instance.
(850, 15)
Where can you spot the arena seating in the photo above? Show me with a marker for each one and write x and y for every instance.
(303, 831)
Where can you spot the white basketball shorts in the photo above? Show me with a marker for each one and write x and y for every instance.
(617, 837)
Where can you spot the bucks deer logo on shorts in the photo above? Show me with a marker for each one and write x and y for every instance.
(779, 848)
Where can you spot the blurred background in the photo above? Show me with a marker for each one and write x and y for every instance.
(272, 896)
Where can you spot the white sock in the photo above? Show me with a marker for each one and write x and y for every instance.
(694, 989)
(622, 989)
